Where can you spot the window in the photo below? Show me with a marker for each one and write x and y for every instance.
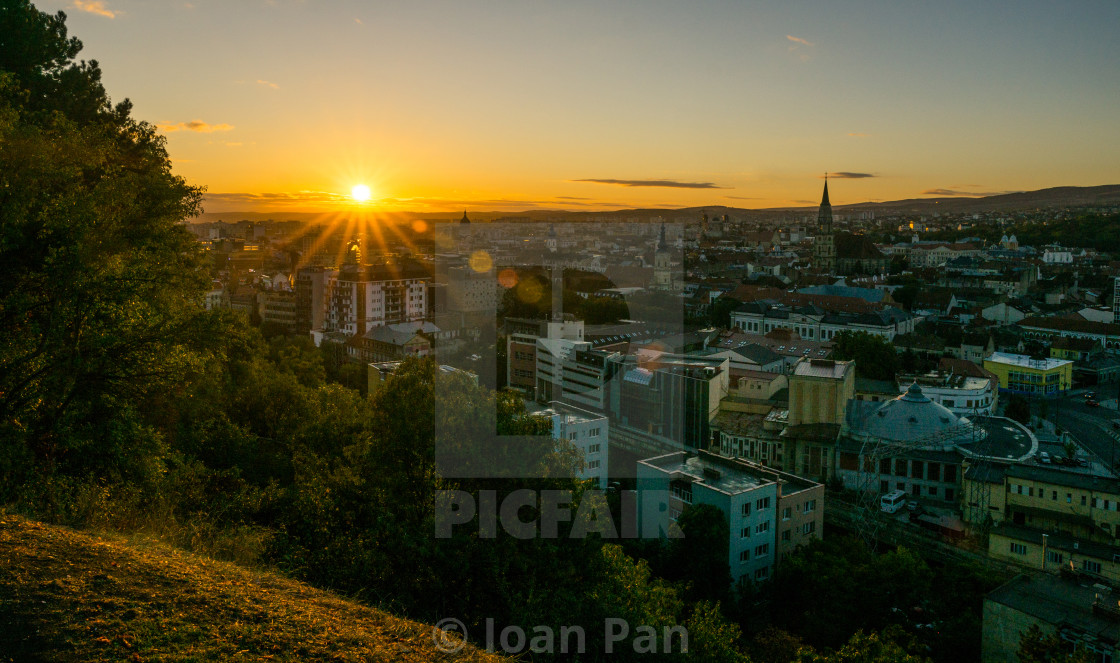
(763, 503)
(950, 474)
(573, 435)
(1091, 566)
(745, 556)
(810, 506)
(786, 513)
(933, 491)
(1053, 556)
(682, 492)
(785, 535)
(1018, 549)
(900, 467)
(593, 448)
(1069, 498)
(747, 509)
(762, 574)
(762, 550)
(933, 471)
(593, 465)
(809, 528)
(762, 527)
(1082, 500)
(745, 533)
(949, 494)
(916, 469)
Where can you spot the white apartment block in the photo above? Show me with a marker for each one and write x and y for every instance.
(588, 432)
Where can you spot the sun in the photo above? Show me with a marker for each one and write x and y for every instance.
(360, 193)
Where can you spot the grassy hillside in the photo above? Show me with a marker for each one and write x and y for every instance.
(72, 596)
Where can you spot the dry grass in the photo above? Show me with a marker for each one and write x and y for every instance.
(72, 596)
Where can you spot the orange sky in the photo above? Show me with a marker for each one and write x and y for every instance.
(278, 105)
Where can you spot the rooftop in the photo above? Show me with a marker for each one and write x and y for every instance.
(1059, 600)
(1025, 361)
(822, 368)
(721, 474)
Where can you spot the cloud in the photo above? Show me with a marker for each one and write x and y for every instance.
(857, 134)
(799, 40)
(969, 194)
(848, 176)
(741, 197)
(270, 84)
(328, 200)
(95, 7)
(194, 125)
(671, 184)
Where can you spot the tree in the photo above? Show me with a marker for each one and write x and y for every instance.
(1019, 409)
(101, 297)
(874, 355)
(719, 314)
(699, 558)
(1036, 647)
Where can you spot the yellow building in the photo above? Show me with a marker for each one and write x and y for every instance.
(1055, 553)
(1044, 498)
(1020, 374)
(819, 391)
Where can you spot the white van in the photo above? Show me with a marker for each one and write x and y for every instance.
(892, 501)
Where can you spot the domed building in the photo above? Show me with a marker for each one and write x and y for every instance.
(916, 445)
(913, 419)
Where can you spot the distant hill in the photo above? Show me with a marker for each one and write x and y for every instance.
(1054, 197)
(72, 596)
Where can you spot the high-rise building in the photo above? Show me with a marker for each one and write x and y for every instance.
(1116, 299)
(366, 296)
(313, 297)
(770, 513)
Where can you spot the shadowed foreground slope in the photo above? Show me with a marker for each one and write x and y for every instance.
(72, 596)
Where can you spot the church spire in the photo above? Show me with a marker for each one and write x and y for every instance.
(824, 216)
(661, 241)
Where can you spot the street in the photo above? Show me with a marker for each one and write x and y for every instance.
(1092, 427)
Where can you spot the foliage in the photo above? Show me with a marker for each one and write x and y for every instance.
(1037, 647)
(819, 594)
(875, 357)
(1019, 409)
(101, 297)
(699, 558)
(1090, 231)
(719, 314)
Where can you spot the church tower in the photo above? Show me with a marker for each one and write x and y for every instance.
(824, 243)
(662, 264)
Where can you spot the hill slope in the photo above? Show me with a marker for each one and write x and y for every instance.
(72, 596)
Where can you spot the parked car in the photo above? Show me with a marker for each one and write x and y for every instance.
(1043, 457)
(1089, 395)
(1092, 403)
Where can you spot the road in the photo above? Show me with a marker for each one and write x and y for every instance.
(1091, 426)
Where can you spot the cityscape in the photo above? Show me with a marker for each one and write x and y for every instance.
(387, 409)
